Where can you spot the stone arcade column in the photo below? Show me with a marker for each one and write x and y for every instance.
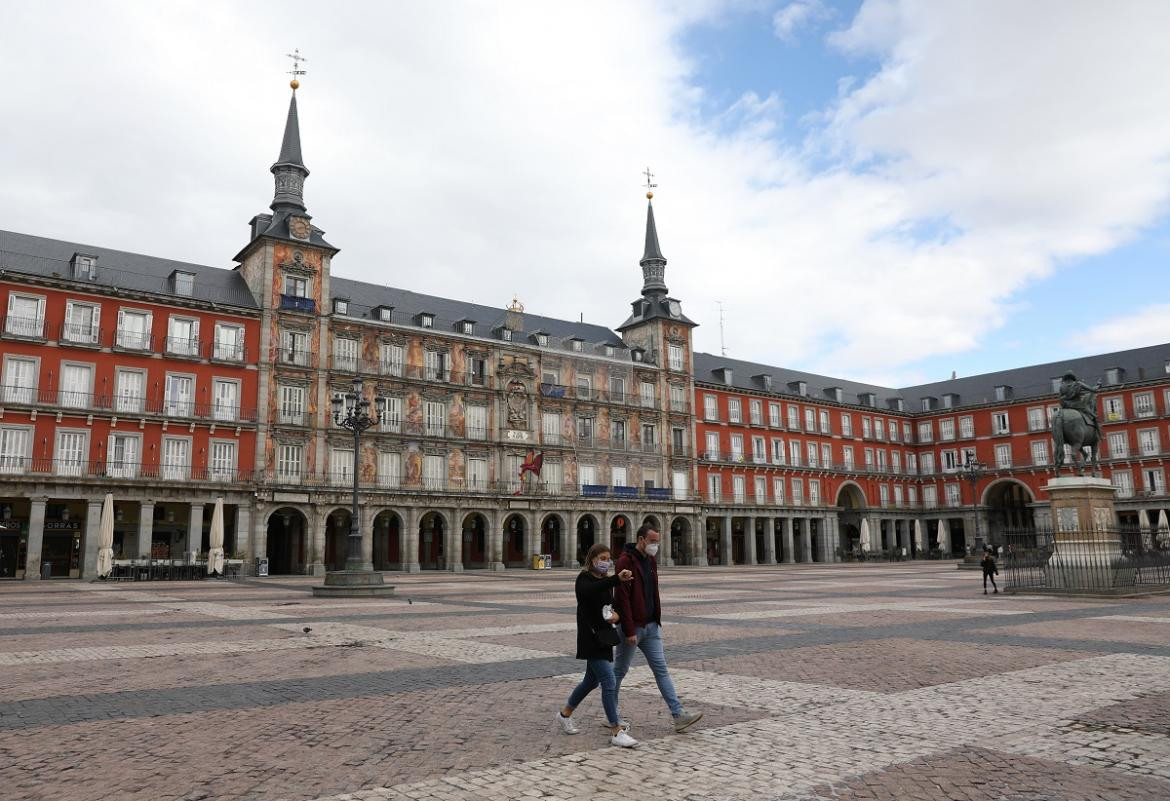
(454, 549)
(569, 542)
(698, 534)
(93, 519)
(195, 531)
(315, 556)
(495, 541)
(770, 540)
(36, 538)
(725, 541)
(806, 540)
(410, 542)
(749, 540)
(145, 529)
(786, 540)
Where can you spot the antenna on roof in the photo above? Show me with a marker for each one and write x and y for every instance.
(722, 344)
(954, 374)
(582, 316)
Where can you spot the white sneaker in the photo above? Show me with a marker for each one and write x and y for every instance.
(623, 740)
(568, 726)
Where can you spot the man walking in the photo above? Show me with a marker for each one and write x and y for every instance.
(640, 609)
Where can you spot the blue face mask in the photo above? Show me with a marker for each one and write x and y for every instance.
(602, 567)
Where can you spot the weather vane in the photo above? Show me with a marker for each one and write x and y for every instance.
(297, 58)
(649, 186)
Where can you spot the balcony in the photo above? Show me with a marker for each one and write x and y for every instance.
(296, 357)
(128, 339)
(185, 347)
(297, 303)
(87, 402)
(227, 352)
(80, 334)
(120, 470)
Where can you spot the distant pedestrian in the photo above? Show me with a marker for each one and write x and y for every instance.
(641, 612)
(596, 638)
(990, 570)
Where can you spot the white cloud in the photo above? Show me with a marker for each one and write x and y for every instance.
(479, 150)
(1149, 325)
(796, 15)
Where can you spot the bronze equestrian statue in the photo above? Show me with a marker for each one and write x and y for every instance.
(1075, 424)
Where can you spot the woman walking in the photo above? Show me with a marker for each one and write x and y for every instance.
(990, 570)
(596, 638)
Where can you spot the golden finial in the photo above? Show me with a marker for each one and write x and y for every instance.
(297, 58)
(516, 305)
(649, 177)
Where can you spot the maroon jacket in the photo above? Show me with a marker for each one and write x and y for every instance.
(630, 596)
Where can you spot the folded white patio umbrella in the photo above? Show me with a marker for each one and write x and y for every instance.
(865, 538)
(944, 537)
(215, 539)
(105, 557)
(919, 536)
(1163, 528)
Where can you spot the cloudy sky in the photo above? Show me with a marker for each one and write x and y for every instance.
(885, 190)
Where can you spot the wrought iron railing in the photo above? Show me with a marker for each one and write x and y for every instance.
(1104, 560)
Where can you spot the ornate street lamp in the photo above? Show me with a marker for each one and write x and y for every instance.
(351, 411)
(972, 470)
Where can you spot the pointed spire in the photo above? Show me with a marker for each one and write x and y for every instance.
(290, 148)
(653, 262)
(289, 169)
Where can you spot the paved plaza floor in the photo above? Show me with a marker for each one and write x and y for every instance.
(890, 681)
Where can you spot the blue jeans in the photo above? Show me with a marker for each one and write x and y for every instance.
(650, 641)
(598, 672)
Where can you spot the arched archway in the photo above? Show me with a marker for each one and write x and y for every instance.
(387, 540)
(474, 530)
(586, 536)
(287, 538)
(551, 530)
(1009, 508)
(680, 541)
(514, 528)
(432, 531)
(851, 503)
(619, 533)
(336, 539)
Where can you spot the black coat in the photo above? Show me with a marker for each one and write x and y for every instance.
(593, 592)
(989, 566)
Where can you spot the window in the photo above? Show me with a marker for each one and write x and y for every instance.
(542, 340)
(296, 286)
(946, 429)
(714, 487)
(1039, 453)
(774, 415)
(678, 441)
(925, 431)
(586, 475)
(759, 450)
(1148, 443)
(477, 474)
(1143, 404)
(585, 430)
(756, 412)
(826, 454)
(868, 456)
(734, 410)
(881, 461)
(1036, 420)
(679, 484)
(760, 486)
(552, 475)
(895, 462)
(812, 454)
(392, 415)
(20, 379)
(467, 326)
(899, 497)
(619, 476)
(85, 268)
(292, 405)
(738, 489)
(953, 496)
(225, 399)
(893, 431)
(435, 472)
(81, 323)
(341, 467)
(678, 398)
(1003, 456)
(72, 452)
(129, 390)
(794, 452)
(176, 458)
(847, 456)
(229, 343)
(1114, 408)
(906, 432)
(846, 424)
(884, 495)
(649, 437)
(180, 396)
(793, 417)
(221, 464)
(911, 463)
(617, 389)
(576, 345)
(385, 313)
(506, 334)
(866, 428)
(647, 395)
(345, 354)
(1155, 482)
(133, 329)
(950, 461)
(435, 419)
(288, 464)
(712, 453)
(183, 336)
(927, 462)
(618, 434)
(26, 315)
(710, 407)
(477, 422)
(436, 365)
(674, 357)
(393, 357)
(14, 449)
(930, 497)
(777, 451)
(550, 427)
(912, 496)
(879, 428)
(390, 469)
(296, 348)
(1123, 480)
(999, 423)
(797, 491)
(76, 385)
(123, 455)
(967, 426)
(810, 419)
(1119, 445)
(584, 387)
(340, 306)
(477, 371)
(826, 428)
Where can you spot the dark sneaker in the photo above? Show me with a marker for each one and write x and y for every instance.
(685, 720)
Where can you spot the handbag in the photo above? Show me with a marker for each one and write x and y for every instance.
(607, 635)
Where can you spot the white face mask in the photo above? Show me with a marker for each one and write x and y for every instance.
(652, 549)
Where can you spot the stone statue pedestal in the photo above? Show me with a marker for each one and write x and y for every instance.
(1086, 545)
(353, 583)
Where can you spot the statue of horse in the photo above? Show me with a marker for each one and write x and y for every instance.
(1069, 427)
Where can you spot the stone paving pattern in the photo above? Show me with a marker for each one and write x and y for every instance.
(899, 682)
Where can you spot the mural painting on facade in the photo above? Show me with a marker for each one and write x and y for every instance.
(568, 430)
(414, 462)
(413, 412)
(368, 466)
(414, 357)
(456, 471)
(456, 418)
(459, 363)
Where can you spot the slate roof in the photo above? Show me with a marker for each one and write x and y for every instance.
(49, 258)
(742, 373)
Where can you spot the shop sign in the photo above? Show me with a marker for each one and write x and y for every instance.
(9, 525)
(62, 525)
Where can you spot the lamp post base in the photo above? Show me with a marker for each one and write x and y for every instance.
(353, 583)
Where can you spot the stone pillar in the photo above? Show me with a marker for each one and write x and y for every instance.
(367, 532)
(260, 532)
(495, 542)
(454, 549)
(664, 557)
(569, 543)
(36, 538)
(806, 538)
(834, 537)
(410, 542)
(316, 534)
(725, 559)
(786, 536)
(749, 541)
(194, 531)
(632, 529)
(93, 519)
(698, 535)
(243, 530)
(828, 539)
(145, 529)
(769, 540)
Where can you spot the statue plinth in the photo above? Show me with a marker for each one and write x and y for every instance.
(353, 583)
(1086, 544)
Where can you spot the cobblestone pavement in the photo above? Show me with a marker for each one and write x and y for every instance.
(896, 681)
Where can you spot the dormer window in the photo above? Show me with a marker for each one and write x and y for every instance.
(426, 320)
(576, 345)
(765, 381)
(506, 334)
(637, 354)
(541, 339)
(836, 393)
(927, 404)
(1003, 392)
(1113, 375)
(84, 267)
(950, 400)
(898, 405)
(725, 375)
(384, 313)
(183, 283)
(799, 387)
(868, 399)
(609, 351)
(340, 306)
(467, 326)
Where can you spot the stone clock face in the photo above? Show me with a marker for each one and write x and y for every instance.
(675, 308)
(299, 227)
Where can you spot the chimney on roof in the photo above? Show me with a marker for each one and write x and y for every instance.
(514, 315)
